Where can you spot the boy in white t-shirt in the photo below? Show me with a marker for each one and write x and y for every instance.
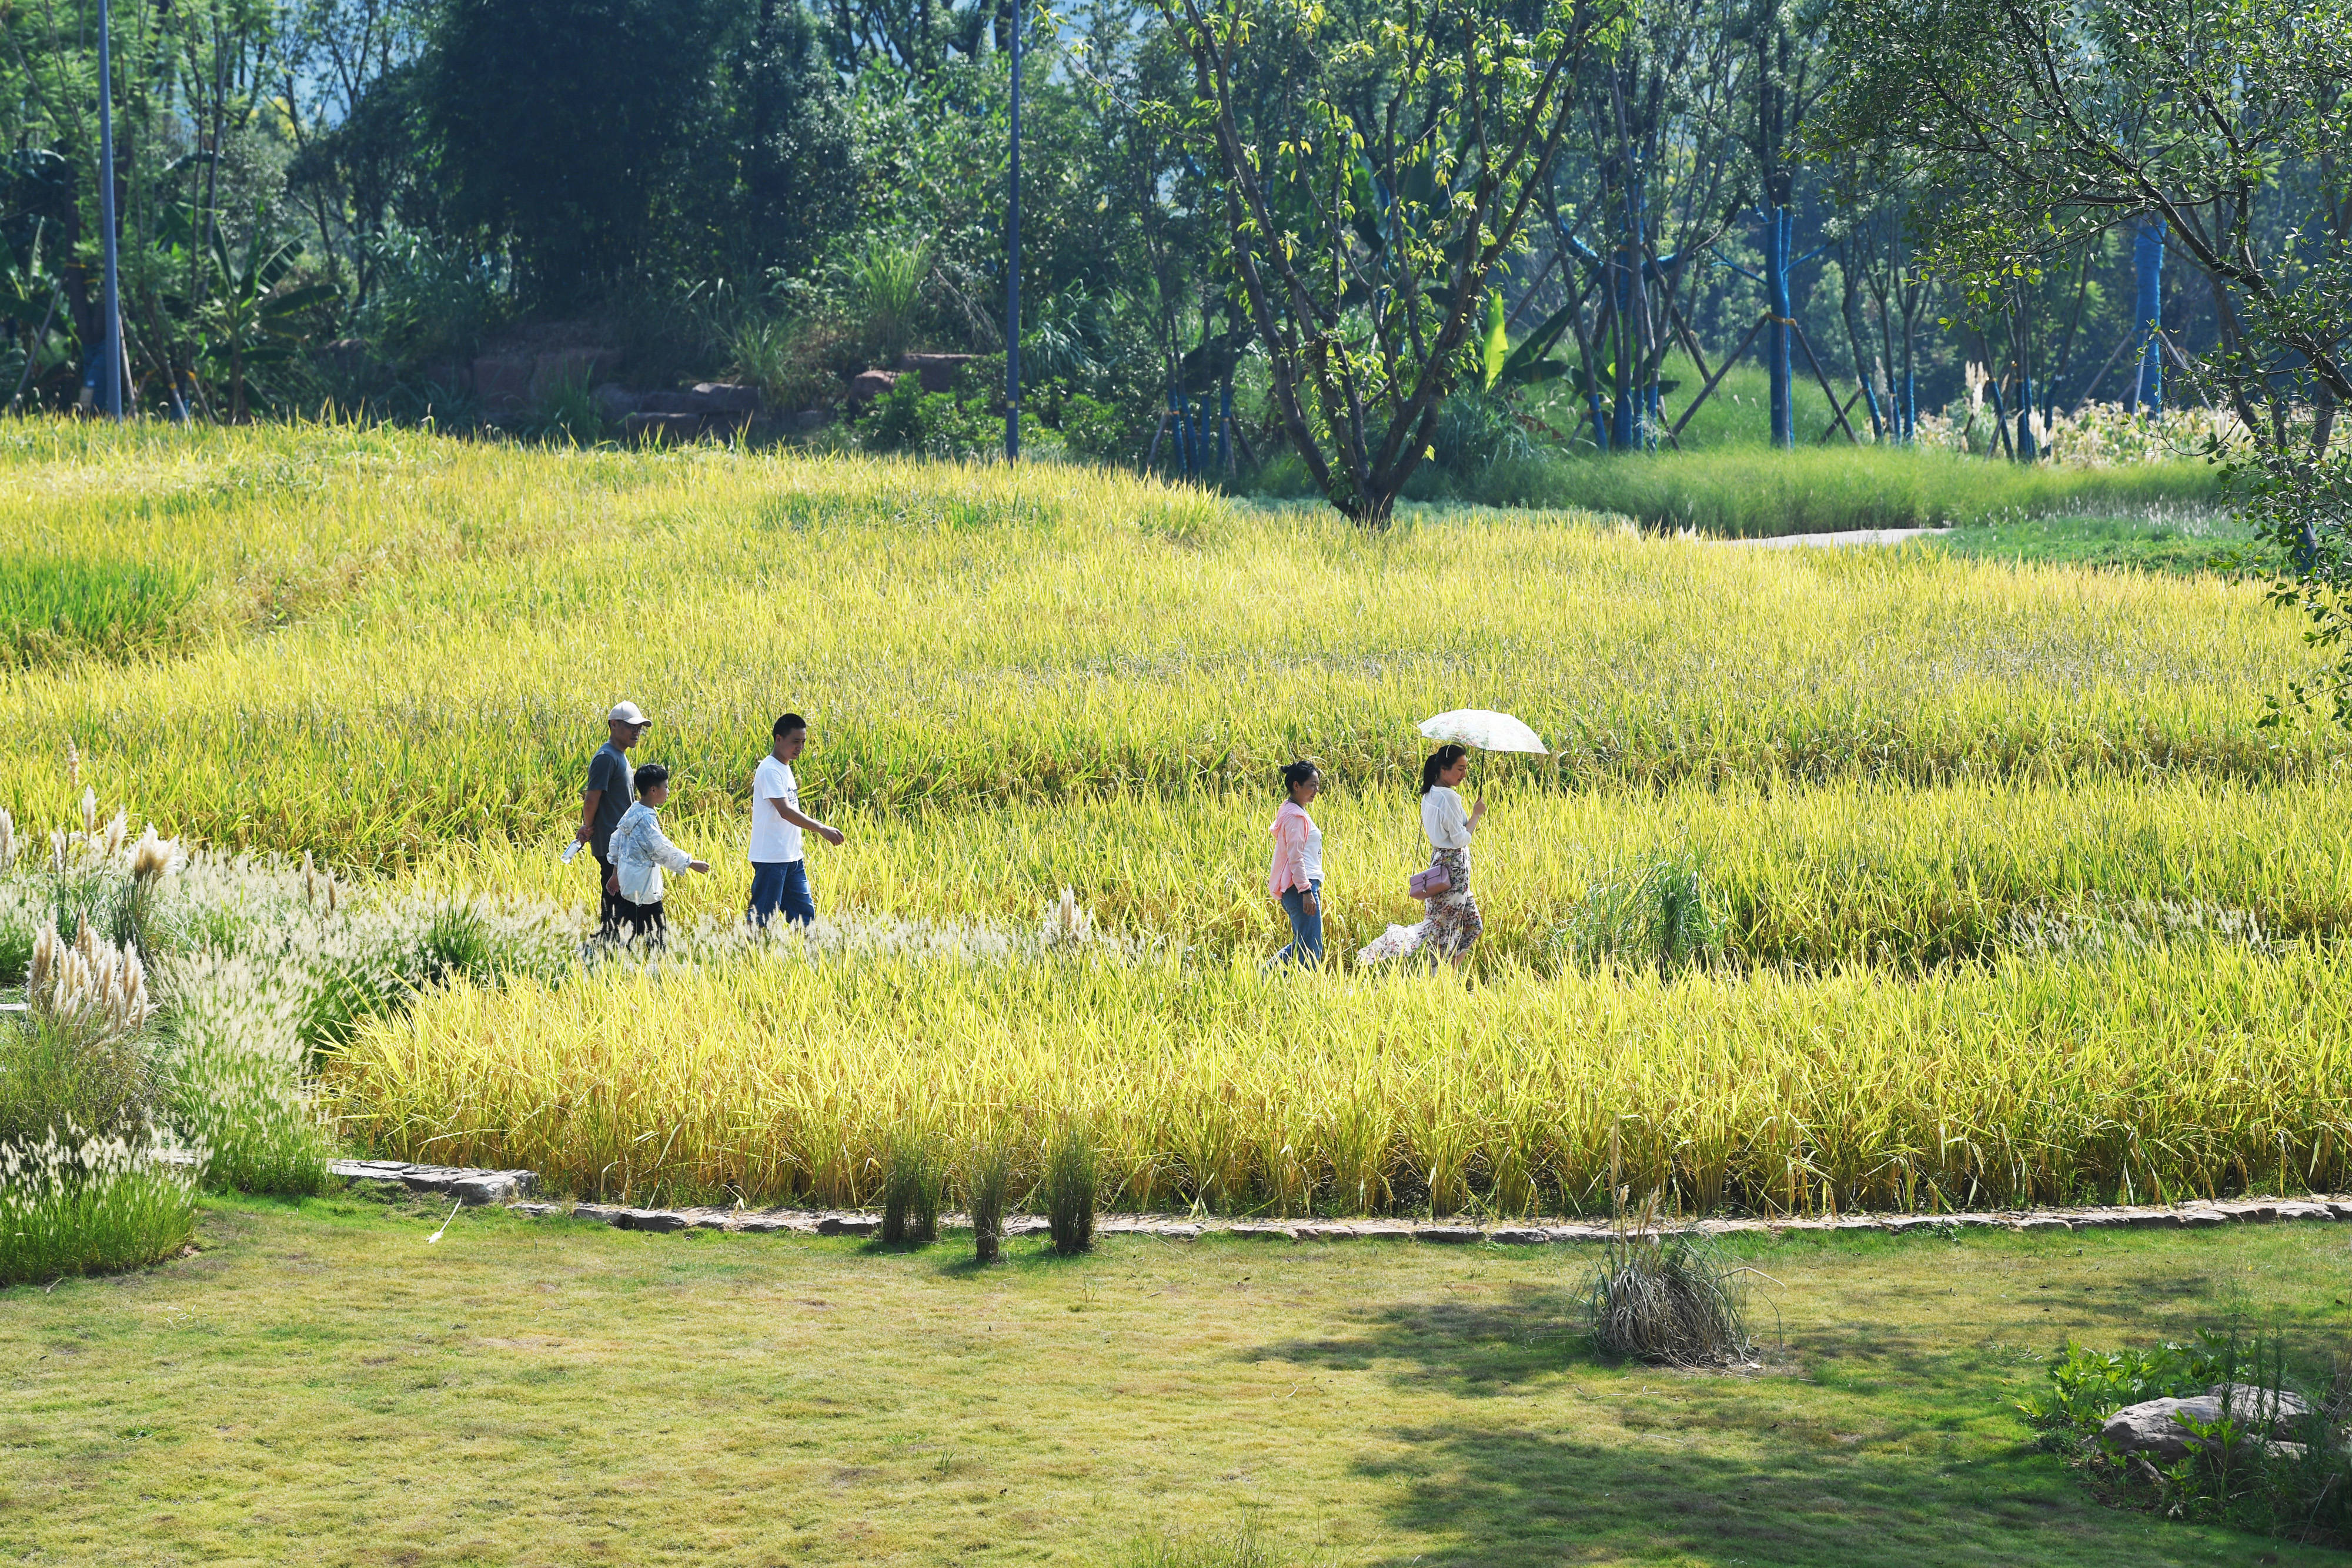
(778, 876)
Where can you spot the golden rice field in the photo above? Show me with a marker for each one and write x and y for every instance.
(1841, 873)
(968, 637)
(2194, 1071)
(2015, 897)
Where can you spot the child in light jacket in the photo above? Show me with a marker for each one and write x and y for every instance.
(641, 851)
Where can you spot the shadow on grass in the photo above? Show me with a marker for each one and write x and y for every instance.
(1516, 1496)
(1874, 1439)
(1473, 1348)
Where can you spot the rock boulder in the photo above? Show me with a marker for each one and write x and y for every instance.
(502, 383)
(937, 370)
(726, 397)
(2154, 1426)
(867, 385)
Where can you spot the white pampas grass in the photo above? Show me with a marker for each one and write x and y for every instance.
(91, 987)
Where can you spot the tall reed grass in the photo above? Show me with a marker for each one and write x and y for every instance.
(2189, 1068)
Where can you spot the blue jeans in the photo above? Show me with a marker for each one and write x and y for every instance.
(1306, 946)
(781, 884)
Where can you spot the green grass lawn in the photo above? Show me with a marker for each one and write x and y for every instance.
(321, 1386)
(2184, 540)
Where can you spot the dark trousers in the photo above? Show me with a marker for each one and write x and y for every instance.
(609, 903)
(781, 885)
(640, 923)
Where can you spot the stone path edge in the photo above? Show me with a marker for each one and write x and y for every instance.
(512, 1188)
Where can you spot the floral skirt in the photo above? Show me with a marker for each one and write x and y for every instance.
(1451, 924)
(1454, 922)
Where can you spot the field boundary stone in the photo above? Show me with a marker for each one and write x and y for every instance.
(514, 1188)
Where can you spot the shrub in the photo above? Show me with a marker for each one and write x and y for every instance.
(912, 1180)
(73, 1204)
(2289, 1478)
(2086, 1386)
(1097, 431)
(885, 289)
(1670, 1299)
(1068, 1188)
(790, 363)
(988, 1182)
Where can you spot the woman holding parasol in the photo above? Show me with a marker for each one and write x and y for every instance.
(1452, 924)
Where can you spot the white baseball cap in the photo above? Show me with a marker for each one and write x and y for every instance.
(627, 713)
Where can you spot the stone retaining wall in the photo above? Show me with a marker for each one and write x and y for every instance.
(512, 1188)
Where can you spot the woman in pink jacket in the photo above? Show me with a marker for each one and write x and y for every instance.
(1297, 875)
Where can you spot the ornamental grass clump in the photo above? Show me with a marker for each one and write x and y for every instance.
(911, 1182)
(1670, 1299)
(77, 1061)
(90, 989)
(76, 1205)
(988, 1184)
(1068, 1191)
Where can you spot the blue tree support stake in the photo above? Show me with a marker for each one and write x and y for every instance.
(2147, 313)
(1012, 270)
(113, 290)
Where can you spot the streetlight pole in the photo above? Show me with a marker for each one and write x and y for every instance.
(113, 291)
(1012, 270)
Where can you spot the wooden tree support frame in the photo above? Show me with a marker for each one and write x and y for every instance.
(1827, 391)
(1822, 439)
(1730, 359)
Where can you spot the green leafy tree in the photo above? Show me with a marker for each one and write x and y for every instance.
(2039, 123)
(566, 124)
(1377, 163)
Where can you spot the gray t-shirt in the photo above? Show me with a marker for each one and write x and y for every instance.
(609, 770)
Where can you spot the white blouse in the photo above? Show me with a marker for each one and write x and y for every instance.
(1443, 819)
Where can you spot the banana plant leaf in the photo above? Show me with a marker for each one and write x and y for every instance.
(1499, 340)
(281, 314)
(1537, 344)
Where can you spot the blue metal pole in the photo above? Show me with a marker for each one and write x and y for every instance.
(113, 290)
(2147, 259)
(1013, 271)
(1778, 224)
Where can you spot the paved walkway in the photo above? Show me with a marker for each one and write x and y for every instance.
(1840, 540)
(479, 1186)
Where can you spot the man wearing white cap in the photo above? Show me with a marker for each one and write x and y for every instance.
(610, 793)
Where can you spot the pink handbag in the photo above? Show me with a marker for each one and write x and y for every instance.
(1434, 882)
